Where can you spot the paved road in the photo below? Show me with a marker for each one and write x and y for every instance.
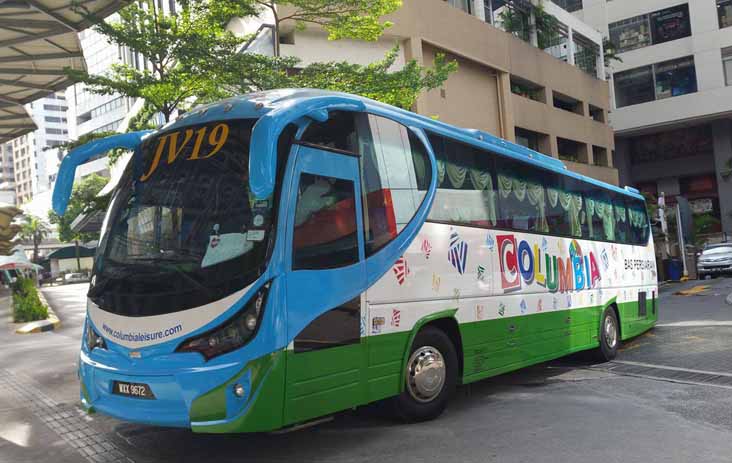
(564, 411)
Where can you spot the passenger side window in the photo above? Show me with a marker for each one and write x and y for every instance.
(395, 173)
(522, 198)
(621, 219)
(337, 133)
(571, 200)
(395, 169)
(466, 187)
(637, 221)
(325, 224)
(600, 216)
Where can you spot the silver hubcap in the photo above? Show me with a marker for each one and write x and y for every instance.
(611, 334)
(425, 374)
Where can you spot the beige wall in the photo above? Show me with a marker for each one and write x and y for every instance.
(479, 95)
(477, 109)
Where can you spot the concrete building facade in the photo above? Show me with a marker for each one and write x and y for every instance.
(672, 97)
(7, 174)
(35, 157)
(554, 100)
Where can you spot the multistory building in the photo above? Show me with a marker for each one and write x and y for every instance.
(545, 89)
(672, 99)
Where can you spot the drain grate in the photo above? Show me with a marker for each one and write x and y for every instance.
(666, 373)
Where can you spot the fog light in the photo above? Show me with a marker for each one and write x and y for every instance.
(251, 322)
(239, 390)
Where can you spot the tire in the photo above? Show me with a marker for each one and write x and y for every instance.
(426, 399)
(609, 340)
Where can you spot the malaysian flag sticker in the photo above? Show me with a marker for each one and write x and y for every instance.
(396, 318)
(401, 270)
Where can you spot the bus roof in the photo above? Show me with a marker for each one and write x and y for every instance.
(255, 105)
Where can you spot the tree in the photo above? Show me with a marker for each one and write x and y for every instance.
(399, 88)
(35, 230)
(84, 200)
(194, 58)
(183, 52)
(354, 19)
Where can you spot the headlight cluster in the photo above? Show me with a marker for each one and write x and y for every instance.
(93, 339)
(232, 334)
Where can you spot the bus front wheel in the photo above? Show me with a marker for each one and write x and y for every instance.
(609, 336)
(430, 376)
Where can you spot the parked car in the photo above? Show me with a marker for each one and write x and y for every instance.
(75, 278)
(714, 260)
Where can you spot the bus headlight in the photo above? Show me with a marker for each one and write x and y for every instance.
(233, 333)
(93, 339)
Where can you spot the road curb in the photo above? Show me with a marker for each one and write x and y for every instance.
(40, 326)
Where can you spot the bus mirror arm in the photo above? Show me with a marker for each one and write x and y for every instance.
(80, 155)
(267, 130)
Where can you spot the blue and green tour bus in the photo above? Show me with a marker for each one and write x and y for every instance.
(281, 256)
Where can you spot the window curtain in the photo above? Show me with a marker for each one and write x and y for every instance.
(570, 203)
(604, 211)
(483, 181)
(522, 190)
(637, 218)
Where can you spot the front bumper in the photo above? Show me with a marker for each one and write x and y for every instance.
(714, 268)
(201, 398)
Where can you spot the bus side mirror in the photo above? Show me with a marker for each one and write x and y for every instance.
(267, 130)
(80, 155)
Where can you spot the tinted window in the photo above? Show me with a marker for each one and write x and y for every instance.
(325, 224)
(621, 219)
(466, 184)
(336, 327)
(395, 169)
(395, 172)
(571, 197)
(522, 198)
(637, 221)
(600, 215)
(338, 132)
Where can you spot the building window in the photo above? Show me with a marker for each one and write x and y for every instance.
(662, 80)
(597, 114)
(724, 12)
(462, 4)
(567, 103)
(570, 150)
(727, 65)
(675, 78)
(569, 5)
(528, 89)
(650, 29)
(599, 156)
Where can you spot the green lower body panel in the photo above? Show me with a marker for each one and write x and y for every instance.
(290, 388)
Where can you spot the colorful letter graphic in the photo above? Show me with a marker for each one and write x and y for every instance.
(458, 253)
(510, 278)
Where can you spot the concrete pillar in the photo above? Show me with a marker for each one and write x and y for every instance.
(570, 46)
(722, 134)
(533, 34)
(413, 51)
(601, 63)
(508, 129)
(479, 9)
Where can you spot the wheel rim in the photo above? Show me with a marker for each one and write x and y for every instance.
(425, 374)
(610, 332)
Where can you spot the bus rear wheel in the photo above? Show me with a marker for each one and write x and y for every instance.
(609, 336)
(430, 377)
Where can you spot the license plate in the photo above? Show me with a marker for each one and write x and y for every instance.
(137, 390)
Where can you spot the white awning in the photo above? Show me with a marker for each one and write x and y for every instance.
(38, 39)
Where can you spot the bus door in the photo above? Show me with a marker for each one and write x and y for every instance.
(326, 359)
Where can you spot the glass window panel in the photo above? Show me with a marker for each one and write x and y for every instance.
(675, 78)
(521, 197)
(325, 224)
(395, 171)
(466, 185)
(724, 12)
(634, 86)
(337, 133)
(630, 33)
(670, 24)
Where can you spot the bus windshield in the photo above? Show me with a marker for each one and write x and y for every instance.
(182, 229)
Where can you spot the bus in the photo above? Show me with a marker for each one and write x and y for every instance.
(278, 257)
